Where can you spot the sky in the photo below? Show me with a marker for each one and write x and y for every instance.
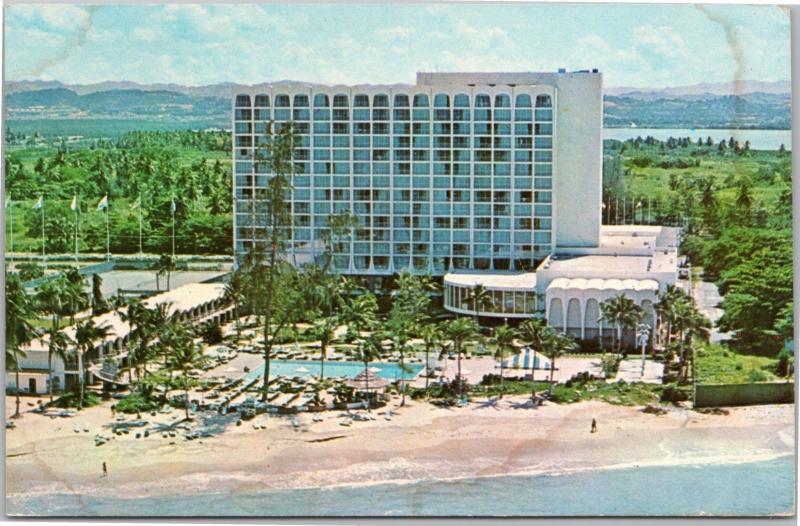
(197, 44)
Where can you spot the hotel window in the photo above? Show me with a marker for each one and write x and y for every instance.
(543, 101)
(401, 101)
(502, 101)
(242, 101)
(421, 104)
(301, 101)
(282, 101)
(361, 101)
(262, 101)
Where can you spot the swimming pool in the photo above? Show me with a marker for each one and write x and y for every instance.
(302, 368)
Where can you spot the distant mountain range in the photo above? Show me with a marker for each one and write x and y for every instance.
(742, 104)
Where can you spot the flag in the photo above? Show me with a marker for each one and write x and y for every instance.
(173, 205)
(39, 203)
(639, 204)
(103, 204)
(74, 205)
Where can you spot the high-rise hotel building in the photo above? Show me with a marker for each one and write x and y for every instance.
(459, 172)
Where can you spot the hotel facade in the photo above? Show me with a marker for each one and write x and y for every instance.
(482, 178)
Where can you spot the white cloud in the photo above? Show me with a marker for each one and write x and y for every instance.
(144, 34)
(482, 38)
(663, 40)
(395, 33)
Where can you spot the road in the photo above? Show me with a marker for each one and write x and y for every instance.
(708, 299)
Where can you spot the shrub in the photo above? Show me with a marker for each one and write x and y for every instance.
(785, 365)
(673, 393)
(72, 399)
(212, 333)
(29, 270)
(136, 403)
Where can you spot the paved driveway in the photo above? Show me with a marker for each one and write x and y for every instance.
(630, 370)
(708, 299)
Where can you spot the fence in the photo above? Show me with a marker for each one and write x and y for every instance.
(743, 394)
(97, 268)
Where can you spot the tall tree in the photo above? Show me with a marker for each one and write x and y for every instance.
(86, 334)
(504, 337)
(185, 356)
(481, 299)
(537, 334)
(20, 308)
(459, 331)
(50, 298)
(431, 335)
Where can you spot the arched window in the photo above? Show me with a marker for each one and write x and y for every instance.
(380, 101)
(441, 101)
(321, 101)
(543, 101)
(502, 101)
(461, 101)
(361, 101)
(242, 101)
(301, 101)
(483, 101)
(523, 101)
(340, 101)
(282, 101)
(401, 101)
(262, 101)
(421, 101)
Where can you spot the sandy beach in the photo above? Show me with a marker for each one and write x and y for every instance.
(418, 442)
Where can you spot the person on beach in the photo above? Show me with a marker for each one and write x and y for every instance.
(105, 470)
(594, 425)
(113, 410)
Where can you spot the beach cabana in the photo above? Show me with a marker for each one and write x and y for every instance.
(367, 380)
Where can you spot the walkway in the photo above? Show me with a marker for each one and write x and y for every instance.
(630, 370)
(708, 299)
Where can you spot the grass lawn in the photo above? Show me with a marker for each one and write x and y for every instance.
(718, 365)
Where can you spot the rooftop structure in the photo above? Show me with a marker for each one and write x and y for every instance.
(199, 302)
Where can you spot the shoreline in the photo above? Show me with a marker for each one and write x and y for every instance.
(421, 443)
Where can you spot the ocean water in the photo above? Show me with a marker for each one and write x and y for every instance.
(389, 371)
(753, 489)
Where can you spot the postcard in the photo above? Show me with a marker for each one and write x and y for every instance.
(418, 260)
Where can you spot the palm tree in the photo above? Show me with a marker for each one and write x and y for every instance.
(360, 313)
(698, 327)
(459, 331)
(185, 356)
(20, 309)
(431, 335)
(86, 334)
(324, 331)
(537, 334)
(135, 316)
(664, 308)
(504, 340)
(481, 299)
(558, 346)
(99, 304)
(164, 265)
(398, 332)
(234, 293)
(622, 312)
(369, 350)
(76, 298)
(63, 348)
(50, 297)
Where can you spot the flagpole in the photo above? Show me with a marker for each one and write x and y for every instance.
(108, 237)
(44, 253)
(11, 233)
(141, 252)
(75, 201)
(173, 228)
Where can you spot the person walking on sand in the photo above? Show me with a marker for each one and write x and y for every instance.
(594, 425)
(105, 470)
